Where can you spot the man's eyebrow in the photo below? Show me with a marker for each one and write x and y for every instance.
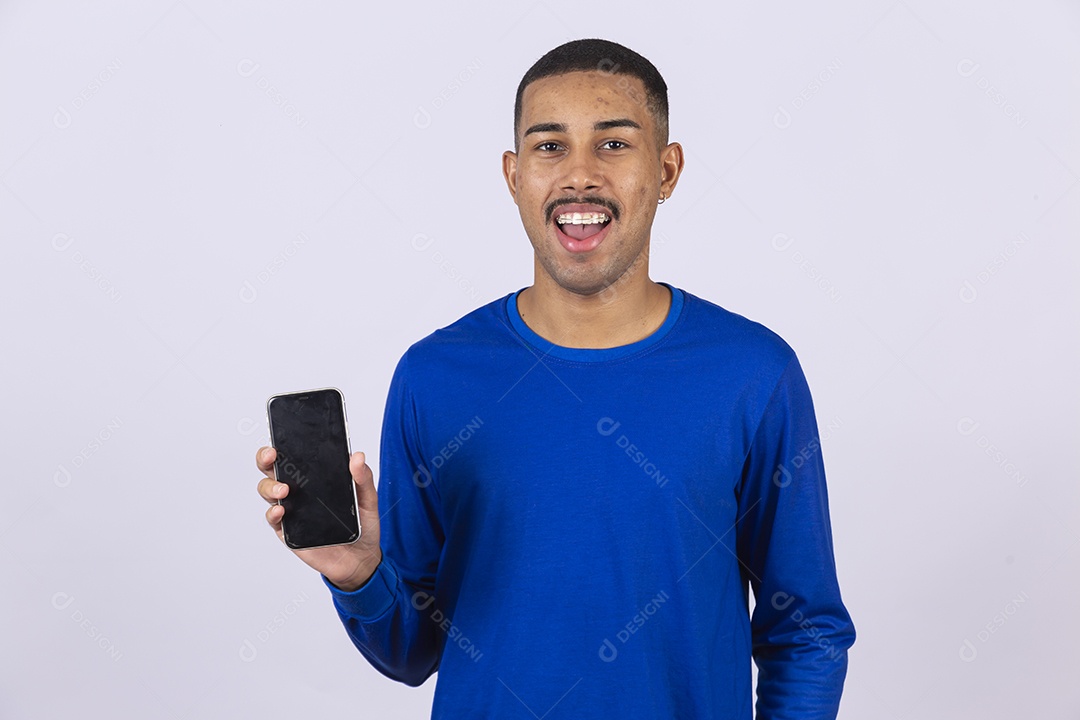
(621, 122)
(546, 127)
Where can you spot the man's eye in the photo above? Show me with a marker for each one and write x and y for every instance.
(614, 145)
(548, 147)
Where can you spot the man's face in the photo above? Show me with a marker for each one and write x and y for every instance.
(588, 175)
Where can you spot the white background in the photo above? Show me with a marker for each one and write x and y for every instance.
(890, 186)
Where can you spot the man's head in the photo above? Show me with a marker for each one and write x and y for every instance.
(606, 57)
(590, 164)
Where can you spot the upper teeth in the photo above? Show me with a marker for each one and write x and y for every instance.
(588, 218)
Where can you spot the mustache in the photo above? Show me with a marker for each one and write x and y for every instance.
(584, 200)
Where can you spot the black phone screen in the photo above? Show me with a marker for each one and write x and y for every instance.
(308, 431)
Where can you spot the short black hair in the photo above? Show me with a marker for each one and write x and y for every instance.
(605, 56)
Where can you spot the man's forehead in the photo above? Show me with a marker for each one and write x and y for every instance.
(593, 92)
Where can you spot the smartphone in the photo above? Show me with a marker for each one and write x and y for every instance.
(309, 431)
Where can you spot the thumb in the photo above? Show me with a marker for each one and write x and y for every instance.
(366, 496)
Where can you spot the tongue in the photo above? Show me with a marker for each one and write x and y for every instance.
(580, 232)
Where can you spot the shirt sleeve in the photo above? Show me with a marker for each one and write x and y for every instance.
(385, 618)
(800, 629)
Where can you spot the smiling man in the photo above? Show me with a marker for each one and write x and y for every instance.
(583, 481)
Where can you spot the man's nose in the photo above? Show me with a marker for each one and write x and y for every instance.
(582, 171)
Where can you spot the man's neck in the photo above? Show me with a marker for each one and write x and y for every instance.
(622, 314)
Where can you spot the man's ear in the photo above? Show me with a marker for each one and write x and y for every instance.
(671, 165)
(509, 167)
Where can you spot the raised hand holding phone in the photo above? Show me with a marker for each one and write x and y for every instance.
(309, 432)
(323, 500)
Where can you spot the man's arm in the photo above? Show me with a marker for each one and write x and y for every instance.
(800, 627)
(388, 617)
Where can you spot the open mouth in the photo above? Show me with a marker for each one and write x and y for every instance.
(581, 231)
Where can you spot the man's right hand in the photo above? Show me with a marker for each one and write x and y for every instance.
(346, 566)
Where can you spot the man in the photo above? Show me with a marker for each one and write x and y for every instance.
(582, 480)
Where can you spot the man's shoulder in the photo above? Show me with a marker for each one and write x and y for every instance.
(710, 324)
(484, 326)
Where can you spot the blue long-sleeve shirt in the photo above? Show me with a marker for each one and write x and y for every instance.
(574, 533)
